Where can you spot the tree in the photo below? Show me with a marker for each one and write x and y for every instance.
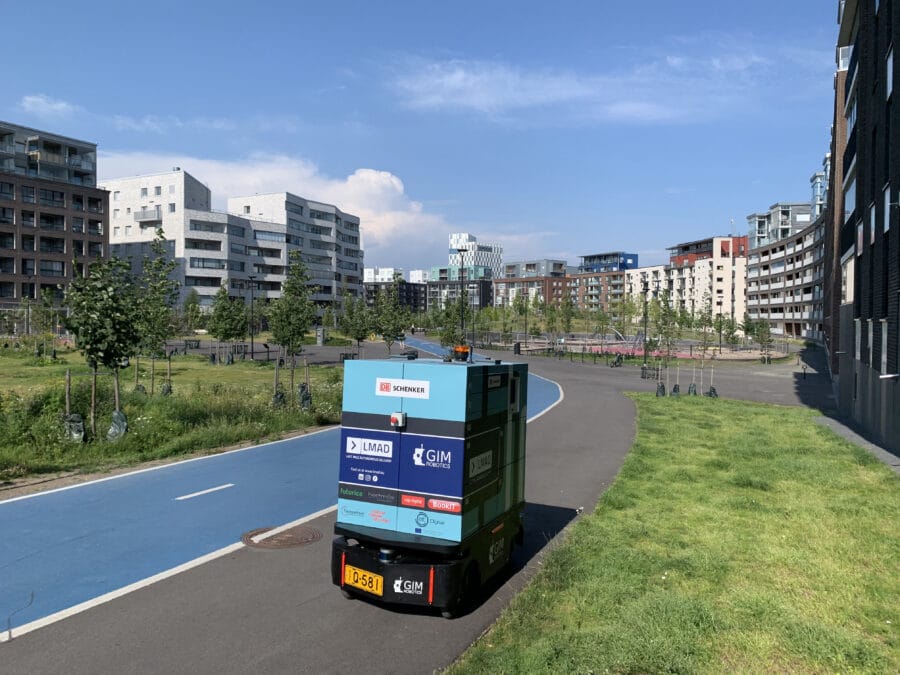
(357, 319)
(454, 316)
(520, 307)
(227, 321)
(190, 311)
(390, 318)
(103, 319)
(566, 312)
(156, 309)
(666, 324)
(291, 315)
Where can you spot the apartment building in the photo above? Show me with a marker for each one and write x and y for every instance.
(709, 275)
(616, 261)
(381, 275)
(53, 217)
(544, 279)
(412, 297)
(785, 283)
(868, 242)
(780, 222)
(465, 251)
(328, 238)
(247, 255)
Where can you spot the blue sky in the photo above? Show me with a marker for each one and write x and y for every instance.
(556, 129)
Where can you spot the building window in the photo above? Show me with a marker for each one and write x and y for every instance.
(172, 208)
(116, 231)
(171, 189)
(889, 73)
(872, 223)
(884, 346)
(869, 341)
(143, 192)
(887, 207)
(157, 190)
(860, 238)
(857, 338)
(116, 196)
(246, 208)
(115, 214)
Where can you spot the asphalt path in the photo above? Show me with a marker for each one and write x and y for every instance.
(276, 610)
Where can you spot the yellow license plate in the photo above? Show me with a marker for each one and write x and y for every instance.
(366, 581)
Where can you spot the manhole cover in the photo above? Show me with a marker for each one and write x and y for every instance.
(290, 538)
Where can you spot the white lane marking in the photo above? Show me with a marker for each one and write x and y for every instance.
(6, 636)
(164, 466)
(562, 395)
(204, 492)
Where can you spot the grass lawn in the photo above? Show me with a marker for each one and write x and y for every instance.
(211, 407)
(738, 537)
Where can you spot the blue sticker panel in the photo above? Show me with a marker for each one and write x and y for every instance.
(370, 457)
(432, 464)
(352, 512)
(447, 394)
(366, 386)
(429, 524)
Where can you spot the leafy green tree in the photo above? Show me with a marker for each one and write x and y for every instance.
(357, 320)
(628, 309)
(190, 311)
(452, 332)
(666, 324)
(103, 319)
(227, 321)
(520, 307)
(390, 318)
(156, 309)
(291, 315)
(566, 312)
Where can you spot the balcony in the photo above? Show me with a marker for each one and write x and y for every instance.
(148, 215)
(850, 152)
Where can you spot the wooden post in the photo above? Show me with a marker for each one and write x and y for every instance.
(169, 370)
(152, 374)
(68, 391)
(94, 401)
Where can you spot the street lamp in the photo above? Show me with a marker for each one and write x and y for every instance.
(252, 278)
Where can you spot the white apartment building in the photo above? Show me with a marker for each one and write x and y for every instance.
(247, 255)
(418, 276)
(381, 275)
(785, 283)
(328, 238)
(465, 251)
(702, 276)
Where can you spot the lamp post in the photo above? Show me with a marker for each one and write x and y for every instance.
(252, 278)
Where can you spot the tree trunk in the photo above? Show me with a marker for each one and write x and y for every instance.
(152, 374)
(68, 391)
(94, 402)
(137, 363)
(116, 388)
(169, 370)
(293, 393)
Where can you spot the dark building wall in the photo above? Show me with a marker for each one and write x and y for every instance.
(873, 360)
(44, 236)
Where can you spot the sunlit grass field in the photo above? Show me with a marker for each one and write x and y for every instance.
(211, 407)
(738, 537)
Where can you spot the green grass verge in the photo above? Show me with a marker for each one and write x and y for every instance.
(738, 537)
(211, 407)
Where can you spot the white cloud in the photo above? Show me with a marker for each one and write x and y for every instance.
(396, 229)
(691, 79)
(43, 106)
